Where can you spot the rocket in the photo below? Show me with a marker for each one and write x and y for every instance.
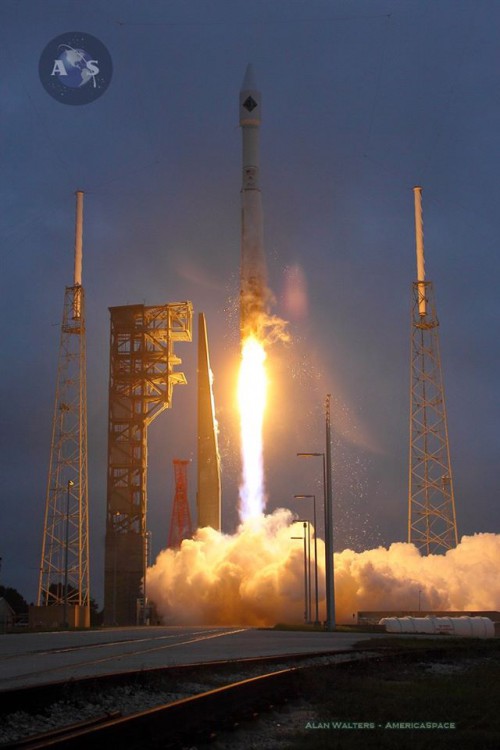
(253, 284)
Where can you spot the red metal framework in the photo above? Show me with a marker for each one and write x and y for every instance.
(180, 521)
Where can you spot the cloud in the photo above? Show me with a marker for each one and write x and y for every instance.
(256, 576)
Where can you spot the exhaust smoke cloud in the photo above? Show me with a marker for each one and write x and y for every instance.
(256, 577)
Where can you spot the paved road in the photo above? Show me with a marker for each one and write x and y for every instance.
(39, 658)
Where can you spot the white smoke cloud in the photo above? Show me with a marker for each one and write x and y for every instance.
(256, 577)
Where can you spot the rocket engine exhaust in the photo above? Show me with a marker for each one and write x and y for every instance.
(256, 577)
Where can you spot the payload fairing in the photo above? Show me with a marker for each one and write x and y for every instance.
(253, 283)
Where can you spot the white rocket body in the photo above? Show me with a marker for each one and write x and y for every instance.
(253, 284)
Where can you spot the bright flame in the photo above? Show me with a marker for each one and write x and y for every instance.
(252, 388)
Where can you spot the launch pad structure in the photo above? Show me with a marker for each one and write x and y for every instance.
(63, 587)
(141, 381)
(432, 525)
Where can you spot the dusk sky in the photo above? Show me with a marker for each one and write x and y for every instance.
(361, 100)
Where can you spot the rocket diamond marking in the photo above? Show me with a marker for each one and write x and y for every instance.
(250, 104)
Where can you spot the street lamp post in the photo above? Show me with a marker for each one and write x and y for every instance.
(327, 494)
(145, 616)
(316, 593)
(307, 569)
(307, 566)
(65, 608)
(330, 580)
(322, 456)
(116, 518)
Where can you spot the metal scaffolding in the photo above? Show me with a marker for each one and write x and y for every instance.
(142, 378)
(180, 520)
(432, 525)
(64, 565)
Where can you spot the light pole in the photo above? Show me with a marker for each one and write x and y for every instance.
(116, 519)
(65, 608)
(325, 518)
(307, 557)
(316, 595)
(145, 616)
(327, 494)
(330, 572)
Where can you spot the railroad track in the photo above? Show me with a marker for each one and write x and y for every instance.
(176, 723)
(188, 721)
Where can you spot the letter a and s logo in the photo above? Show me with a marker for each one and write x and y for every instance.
(75, 68)
(60, 70)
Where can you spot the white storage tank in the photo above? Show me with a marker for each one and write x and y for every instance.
(465, 627)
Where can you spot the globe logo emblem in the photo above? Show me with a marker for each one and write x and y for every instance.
(75, 68)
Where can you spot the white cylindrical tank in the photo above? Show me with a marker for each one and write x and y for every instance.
(465, 627)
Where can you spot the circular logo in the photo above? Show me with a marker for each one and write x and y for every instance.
(75, 68)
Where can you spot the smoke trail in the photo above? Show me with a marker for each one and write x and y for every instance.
(255, 577)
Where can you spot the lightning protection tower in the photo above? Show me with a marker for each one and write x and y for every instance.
(180, 522)
(63, 589)
(432, 525)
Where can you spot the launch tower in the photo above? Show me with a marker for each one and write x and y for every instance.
(432, 525)
(180, 521)
(142, 377)
(64, 567)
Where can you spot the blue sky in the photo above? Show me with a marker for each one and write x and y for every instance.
(361, 101)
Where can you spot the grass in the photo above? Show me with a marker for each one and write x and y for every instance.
(448, 682)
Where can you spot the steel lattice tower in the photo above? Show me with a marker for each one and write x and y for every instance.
(64, 566)
(432, 525)
(180, 521)
(141, 380)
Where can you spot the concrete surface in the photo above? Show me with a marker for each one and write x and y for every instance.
(39, 658)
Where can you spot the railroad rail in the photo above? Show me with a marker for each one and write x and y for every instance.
(189, 720)
(194, 720)
(175, 723)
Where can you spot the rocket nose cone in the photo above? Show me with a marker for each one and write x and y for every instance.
(249, 79)
(250, 99)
